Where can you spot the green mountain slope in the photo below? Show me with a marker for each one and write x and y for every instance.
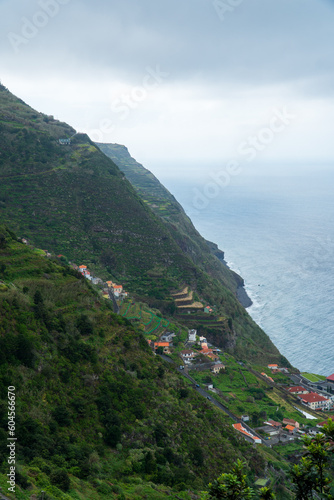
(73, 200)
(203, 253)
(97, 414)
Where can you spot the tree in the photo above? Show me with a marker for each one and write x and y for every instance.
(84, 325)
(3, 241)
(267, 494)
(310, 477)
(231, 486)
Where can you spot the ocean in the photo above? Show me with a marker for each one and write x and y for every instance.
(277, 232)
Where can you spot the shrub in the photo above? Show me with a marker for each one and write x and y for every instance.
(84, 325)
(60, 479)
(62, 416)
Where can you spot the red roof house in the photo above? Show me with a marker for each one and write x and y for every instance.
(208, 310)
(273, 423)
(330, 379)
(290, 421)
(315, 401)
(205, 350)
(298, 389)
(323, 423)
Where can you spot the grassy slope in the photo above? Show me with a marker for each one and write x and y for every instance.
(75, 201)
(92, 399)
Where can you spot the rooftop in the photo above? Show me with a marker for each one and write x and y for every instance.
(297, 388)
(313, 397)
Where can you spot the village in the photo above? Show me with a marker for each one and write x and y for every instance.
(203, 363)
(311, 396)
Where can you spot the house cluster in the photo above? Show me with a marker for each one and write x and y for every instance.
(275, 369)
(189, 355)
(290, 428)
(318, 429)
(165, 343)
(87, 274)
(117, 290)
(273, 428)
(313, 400)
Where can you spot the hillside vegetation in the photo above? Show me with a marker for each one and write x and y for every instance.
(97, 413)
(203, 253)
(73, 200)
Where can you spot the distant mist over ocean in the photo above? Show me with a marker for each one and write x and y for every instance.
(277, 232)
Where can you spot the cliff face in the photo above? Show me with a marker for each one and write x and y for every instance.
(203, 253)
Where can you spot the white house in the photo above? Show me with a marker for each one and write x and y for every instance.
(298, 389)
(315, 401)
(188, 355)
(117, 290)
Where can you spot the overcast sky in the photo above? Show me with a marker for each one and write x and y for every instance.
(180, 80)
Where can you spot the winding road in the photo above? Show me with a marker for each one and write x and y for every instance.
(219, 405)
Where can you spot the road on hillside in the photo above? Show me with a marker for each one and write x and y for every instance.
(112, 298)
(300, 380)
(208, 395)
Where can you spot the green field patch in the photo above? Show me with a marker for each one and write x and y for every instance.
(149, 322)
(312, 377)
(243, 393)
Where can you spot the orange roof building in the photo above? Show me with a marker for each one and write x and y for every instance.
(267, 376)
(161, 344)
(212, 356)
(240, 428)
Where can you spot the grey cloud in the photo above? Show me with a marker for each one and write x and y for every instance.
(260, 42)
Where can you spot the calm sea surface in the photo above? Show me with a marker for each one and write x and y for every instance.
(278, 234)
